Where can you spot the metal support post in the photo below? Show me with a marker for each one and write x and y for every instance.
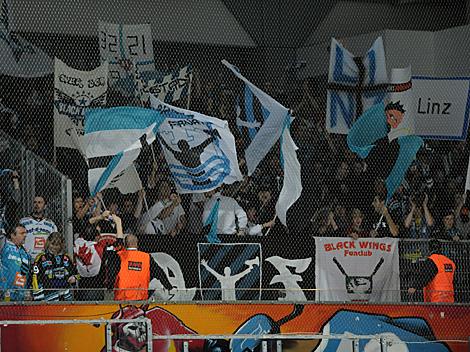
(109, 341)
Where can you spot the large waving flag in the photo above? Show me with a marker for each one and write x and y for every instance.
(113, 140)
(355, 83)
(275, 126)
(199, 149)
(20, 58)
(372, 126)
(251, 121)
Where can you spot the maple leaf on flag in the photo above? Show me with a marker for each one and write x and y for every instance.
(85, 254)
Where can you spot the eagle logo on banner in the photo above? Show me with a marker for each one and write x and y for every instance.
(355, 83)
(73, 106)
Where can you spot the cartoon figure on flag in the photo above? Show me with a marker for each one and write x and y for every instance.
(199, 149)
(394, 119)
(355, 83)
(75, 91)
(398, 109)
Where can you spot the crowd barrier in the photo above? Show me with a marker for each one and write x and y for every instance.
(237, 327)
(38, 177)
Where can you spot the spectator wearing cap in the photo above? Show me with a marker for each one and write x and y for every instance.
(448, 231)
(435, 276)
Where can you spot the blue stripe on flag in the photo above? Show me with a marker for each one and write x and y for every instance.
(212, 219)
(106, 173)
(249, 113)
(121, 118)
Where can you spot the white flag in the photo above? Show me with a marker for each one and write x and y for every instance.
(199, 149)
(168, 89)
(292, 185)
(276, 125)
(123, 46)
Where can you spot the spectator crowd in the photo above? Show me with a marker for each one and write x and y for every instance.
(342, 196)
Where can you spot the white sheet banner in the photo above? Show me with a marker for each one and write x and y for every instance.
(441, 107)
(75, 91)
(365, 270)
(124, 46)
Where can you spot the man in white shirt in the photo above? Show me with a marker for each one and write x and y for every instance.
(231, 216)
(38, 228)
(167, 216)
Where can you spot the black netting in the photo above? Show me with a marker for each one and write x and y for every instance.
(174, 52)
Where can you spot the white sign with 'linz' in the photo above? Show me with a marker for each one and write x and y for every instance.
(442, 107)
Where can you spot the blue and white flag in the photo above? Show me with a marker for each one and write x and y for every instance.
(20, 58)
(199, 149)
(354, 84)
(126, 48)
(251, 119)
(372, 126)
(275, 126)
(113, 140)
(168, 88)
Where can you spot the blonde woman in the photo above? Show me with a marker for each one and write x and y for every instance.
(53, 271)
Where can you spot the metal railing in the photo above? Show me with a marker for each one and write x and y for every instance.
(38, 177)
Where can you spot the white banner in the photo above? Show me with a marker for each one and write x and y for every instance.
(168, 89)
(357, 270)
(124, 46)
(128, 181)
(441, 107)
(75, 91)
(199, 149)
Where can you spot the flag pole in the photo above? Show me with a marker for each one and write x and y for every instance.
(188, 101)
